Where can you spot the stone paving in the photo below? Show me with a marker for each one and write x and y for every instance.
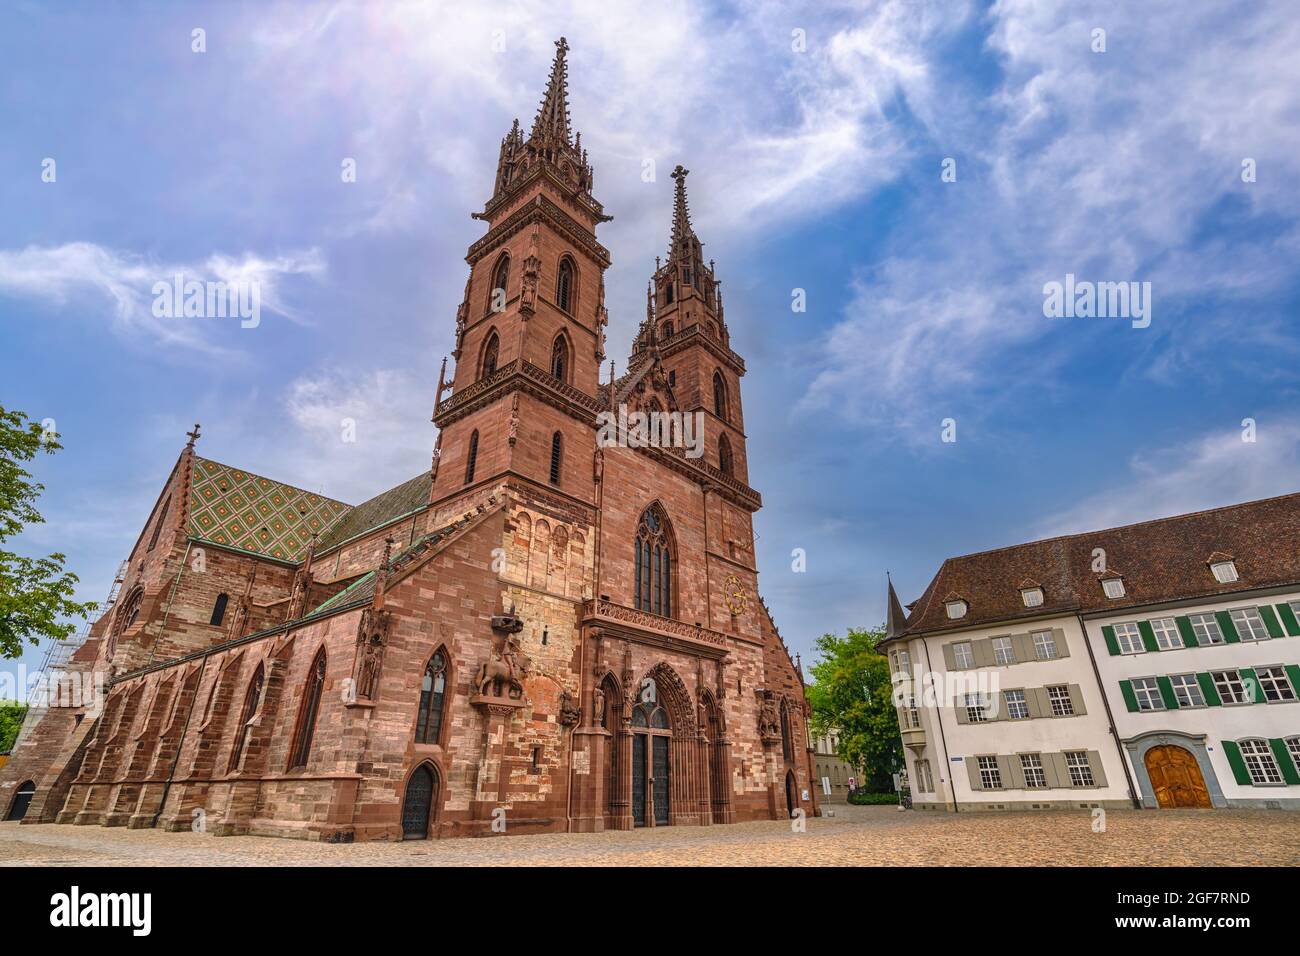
(855, 836)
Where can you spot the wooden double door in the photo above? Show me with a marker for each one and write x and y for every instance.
(1176, 778)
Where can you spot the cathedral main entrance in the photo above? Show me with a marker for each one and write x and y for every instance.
(651, 733)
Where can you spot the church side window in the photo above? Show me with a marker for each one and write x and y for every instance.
(310, 710)
(654, 563)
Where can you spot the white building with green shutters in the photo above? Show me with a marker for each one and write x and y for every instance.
(1216, 680)
(1153, 665)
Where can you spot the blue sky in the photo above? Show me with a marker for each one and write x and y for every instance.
(816, 169)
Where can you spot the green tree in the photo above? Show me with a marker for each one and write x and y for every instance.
(11, 718)
(35, 593)
(852, 693)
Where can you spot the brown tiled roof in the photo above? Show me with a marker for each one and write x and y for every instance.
(1162, 560)
(379, 510)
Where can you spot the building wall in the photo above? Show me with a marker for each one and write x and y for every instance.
(951, 753)
(1203, 730)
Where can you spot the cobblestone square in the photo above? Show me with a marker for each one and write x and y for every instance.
(855, 836)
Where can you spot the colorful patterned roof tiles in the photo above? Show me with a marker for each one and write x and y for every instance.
(237, 508)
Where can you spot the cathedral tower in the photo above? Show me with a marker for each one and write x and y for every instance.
(685, 324)
(530, 331)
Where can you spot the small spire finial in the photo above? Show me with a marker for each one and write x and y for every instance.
(192, 436)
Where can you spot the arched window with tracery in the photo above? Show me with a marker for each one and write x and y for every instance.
(668, 330)
(650, 715)
(719, 396)
(724, 455)
(471, 459)
(309, 711)
(252, 697)
(564, 285)
(500, 282)
(433, 697)
(560, 358)
(654, 563)
(491, 352)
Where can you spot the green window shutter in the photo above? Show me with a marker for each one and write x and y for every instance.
(1148, 636)
(1227, 627)
(1289, 619)
(1250, 681)
(1238, 765)
(1293, 675)
(1167, 692)
(1284, 761)
(1270, 621)
(1130, 699)
(1112, 645)
(1185, 629)
(1208, 689)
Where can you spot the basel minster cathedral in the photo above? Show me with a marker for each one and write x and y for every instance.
(539, 633)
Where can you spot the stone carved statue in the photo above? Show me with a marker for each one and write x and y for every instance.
(501, 669)
(769, 719)
(598, 707)
(569, 714)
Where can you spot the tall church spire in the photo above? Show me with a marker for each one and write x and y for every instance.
(551, 150)
(682, 230)
(551, 126)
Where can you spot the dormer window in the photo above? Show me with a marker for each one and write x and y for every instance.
(1113, 587)
(1225, 572)
(956, 609)
(1033, 597)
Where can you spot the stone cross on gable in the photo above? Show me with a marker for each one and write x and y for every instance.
(194, 435)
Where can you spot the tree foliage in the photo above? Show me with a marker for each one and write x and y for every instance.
(11, 718)
(35, 593)
(852, 694)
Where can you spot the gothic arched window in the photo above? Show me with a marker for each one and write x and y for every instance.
(564, 286)
(219, 608)
(560, 358)
(668, 330)
(719, 396)
(500, 280)
(251, 698)
(310, 709)
(654, 563)
(557, 456)
(433, 695)
(471, 460)
(490, 353)
(724, 455)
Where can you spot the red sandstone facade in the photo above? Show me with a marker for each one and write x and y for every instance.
(538, 634)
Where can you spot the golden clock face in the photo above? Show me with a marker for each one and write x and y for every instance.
(736, 595)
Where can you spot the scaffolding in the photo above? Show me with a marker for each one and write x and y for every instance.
(59, 651)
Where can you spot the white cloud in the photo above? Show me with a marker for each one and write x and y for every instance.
(1103, 165)
(76, 271)
(1210, 471)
